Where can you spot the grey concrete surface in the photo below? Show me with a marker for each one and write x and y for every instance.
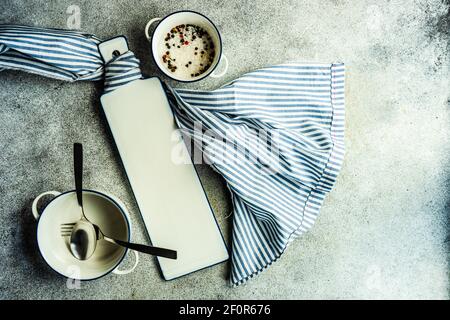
(383, 231)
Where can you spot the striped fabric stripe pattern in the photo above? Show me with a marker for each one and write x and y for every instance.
(299, 108)
(304, 105)
(121, 70)
(63, 54)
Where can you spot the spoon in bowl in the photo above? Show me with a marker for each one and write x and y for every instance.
(84, 234)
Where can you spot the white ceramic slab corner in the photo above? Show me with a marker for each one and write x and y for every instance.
(170, 196)
(107, 48)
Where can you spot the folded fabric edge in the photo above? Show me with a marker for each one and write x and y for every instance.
(328, 178)
(16, 59)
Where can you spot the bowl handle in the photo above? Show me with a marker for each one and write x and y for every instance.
(136, 255)
(34, 209)
(225, 68)
(122, 272)
(147, 27)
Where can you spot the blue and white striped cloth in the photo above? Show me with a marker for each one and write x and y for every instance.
(278, 180)
(63, 54)
(277, 192)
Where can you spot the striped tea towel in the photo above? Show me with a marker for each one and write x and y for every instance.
(276, 134)
(277, 137)
(63, 54)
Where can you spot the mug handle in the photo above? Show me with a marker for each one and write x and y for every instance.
(147, 27)
(122, 272)
(34, 209)
(225, 69)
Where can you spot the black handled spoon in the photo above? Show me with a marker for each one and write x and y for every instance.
(85, 234)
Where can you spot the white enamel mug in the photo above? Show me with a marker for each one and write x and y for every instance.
(104, 210)
(186, 17)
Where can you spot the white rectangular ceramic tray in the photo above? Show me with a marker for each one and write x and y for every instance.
(171, 199)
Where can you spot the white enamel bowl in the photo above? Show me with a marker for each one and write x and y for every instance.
(101, 209)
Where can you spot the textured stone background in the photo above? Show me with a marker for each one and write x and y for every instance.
(383, 231)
